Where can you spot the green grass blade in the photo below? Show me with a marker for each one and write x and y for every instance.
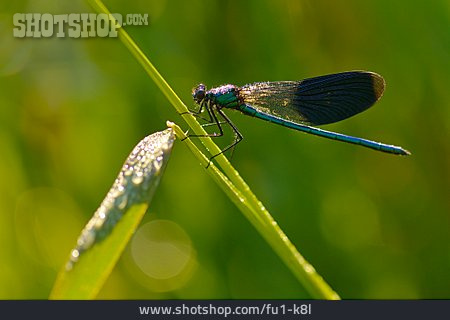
(106, 234)
(266, 226)
(262, 219)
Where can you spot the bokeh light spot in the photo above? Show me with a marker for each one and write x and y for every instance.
(163, 251)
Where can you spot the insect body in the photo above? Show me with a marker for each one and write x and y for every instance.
(299, 105)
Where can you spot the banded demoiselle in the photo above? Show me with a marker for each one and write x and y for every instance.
(299, 105)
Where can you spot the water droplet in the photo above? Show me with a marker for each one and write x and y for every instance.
(261, 206)
(117, 191)
(75, 254)
(102, 215)
(86, 239)
(309, 268)
(138, 178)
(99, 223)
(122, 202)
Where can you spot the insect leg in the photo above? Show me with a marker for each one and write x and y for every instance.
(213, 121)
(237, 135)
(196, 113)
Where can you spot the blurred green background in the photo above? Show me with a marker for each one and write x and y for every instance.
(373, 225)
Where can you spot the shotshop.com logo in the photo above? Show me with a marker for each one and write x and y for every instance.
(73, 25)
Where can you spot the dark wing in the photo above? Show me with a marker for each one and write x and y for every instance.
(316, 101)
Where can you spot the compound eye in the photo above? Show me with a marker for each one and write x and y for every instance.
(199, 93)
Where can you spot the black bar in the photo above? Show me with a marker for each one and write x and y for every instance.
(226, 309)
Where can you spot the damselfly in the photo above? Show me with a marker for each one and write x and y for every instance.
(298, 105)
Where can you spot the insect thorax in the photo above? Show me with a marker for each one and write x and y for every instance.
(226, 96)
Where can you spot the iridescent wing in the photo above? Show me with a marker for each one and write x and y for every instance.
(316, 101)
